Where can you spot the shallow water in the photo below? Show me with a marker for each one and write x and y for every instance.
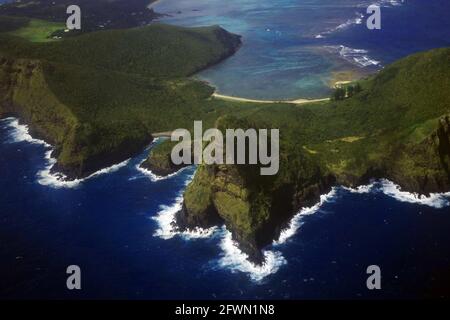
(293, 48)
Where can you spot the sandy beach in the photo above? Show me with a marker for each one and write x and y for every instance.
(297, 101)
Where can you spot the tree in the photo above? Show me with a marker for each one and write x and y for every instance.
(339, 94)
(350, 91)
(357, 88)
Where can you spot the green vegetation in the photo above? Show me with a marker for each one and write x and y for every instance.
(38, 30)
(99, 97)
(159, 51)
(12, 23)
(346, 91)
(395, 127)
(97, 15)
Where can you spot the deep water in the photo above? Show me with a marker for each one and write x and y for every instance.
(107, 226)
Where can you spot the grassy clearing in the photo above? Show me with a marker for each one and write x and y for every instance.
(38, 30)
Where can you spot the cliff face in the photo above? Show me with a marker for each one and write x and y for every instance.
(256, 216)
(397, 128)
(97, 110)
(159, 160)
(24, 93)
(424, 167)
(255, 213)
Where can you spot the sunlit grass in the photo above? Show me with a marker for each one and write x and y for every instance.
(38, 30)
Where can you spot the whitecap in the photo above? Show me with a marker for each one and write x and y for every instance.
(59, 180)
(235, 260)
(232, 257)
(165, 218)
(350, 22)
(363, 189)
(358, 19)
(389, 3)
(358, 57)
(297, 221)
(154, 177)
(20, 133)
(435, 200)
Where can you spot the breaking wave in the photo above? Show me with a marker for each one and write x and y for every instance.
(20, 133)
(358, 19)
(235, 260)
(165, 219)
(356, 56)
(59, 180)
(389, 188)
(359, 16)
(154, 177)
(435, 200)
(388, 3)
(297, 221)
(232, 257)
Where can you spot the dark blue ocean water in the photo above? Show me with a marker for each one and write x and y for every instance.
(106, 224)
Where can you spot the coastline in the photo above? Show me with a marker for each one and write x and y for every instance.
(49, 176)
(239, 99)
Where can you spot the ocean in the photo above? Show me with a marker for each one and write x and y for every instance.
(115, 225)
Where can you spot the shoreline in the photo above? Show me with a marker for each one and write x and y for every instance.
(240, 99)
(50, 175)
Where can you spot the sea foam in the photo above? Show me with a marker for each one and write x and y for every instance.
(389, 188)
(20, 133)
(356, 56)
(59, 180)
(358, 19)
(234, 259)
(297, 221)
(165, 218)
(154, 177)
(359, 16)
(435, 200)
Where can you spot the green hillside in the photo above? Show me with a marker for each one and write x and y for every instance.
(397, 127)
(153, 51)
(98, 97)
